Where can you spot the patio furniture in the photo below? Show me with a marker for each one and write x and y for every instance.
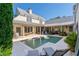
(49, 51)
(63, 33)
(55, 32)
(60, 52)
(43, 53)
(33, 53)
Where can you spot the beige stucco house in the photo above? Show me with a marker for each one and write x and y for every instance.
(27, 22)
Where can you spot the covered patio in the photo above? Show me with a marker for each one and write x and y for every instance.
(24, 29)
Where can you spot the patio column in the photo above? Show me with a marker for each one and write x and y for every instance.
(61, 29)
(44, 29)
(22, 30)
(48, 29)
(68, 29)
(34, 29)
(51, 28)
(27, 29)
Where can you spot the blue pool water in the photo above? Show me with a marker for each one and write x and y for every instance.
(36, 42)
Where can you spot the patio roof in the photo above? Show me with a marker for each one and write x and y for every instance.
(35, 24)
(60, 24)
(59, 21)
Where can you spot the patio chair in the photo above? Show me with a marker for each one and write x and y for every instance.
(60, 52)
(33, 53)
(49, 51)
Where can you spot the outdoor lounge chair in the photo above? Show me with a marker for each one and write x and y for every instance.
(33, 53)
(60, 52)
(49, 51)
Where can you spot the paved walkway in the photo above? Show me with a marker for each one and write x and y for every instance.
(29, 37)
(20, 49)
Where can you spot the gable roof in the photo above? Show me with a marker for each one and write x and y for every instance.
(66, 20)
(22, 12)
(60, 20)
(25, 13)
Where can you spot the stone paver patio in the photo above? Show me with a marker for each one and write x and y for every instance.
(20, 49)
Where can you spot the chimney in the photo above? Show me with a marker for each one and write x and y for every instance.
(29, 10)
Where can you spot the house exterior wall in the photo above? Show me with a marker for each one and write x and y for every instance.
(22, 27)
(20, 18)
(76, 25)
(29, 19)
(51, 28)
(18, 26)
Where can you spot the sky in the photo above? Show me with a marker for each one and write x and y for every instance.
(47, 10)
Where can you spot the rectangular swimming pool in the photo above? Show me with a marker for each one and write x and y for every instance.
(36, 42)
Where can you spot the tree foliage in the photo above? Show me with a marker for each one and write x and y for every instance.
(6, 27)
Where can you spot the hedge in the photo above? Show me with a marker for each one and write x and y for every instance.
(6, 28)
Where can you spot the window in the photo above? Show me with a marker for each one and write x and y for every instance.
(35, 21)
(29, 19)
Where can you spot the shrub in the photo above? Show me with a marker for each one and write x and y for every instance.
(71, 41)
(6, 28)
(5, 52)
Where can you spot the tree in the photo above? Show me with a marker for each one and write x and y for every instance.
(6, 28)
(71, 41)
